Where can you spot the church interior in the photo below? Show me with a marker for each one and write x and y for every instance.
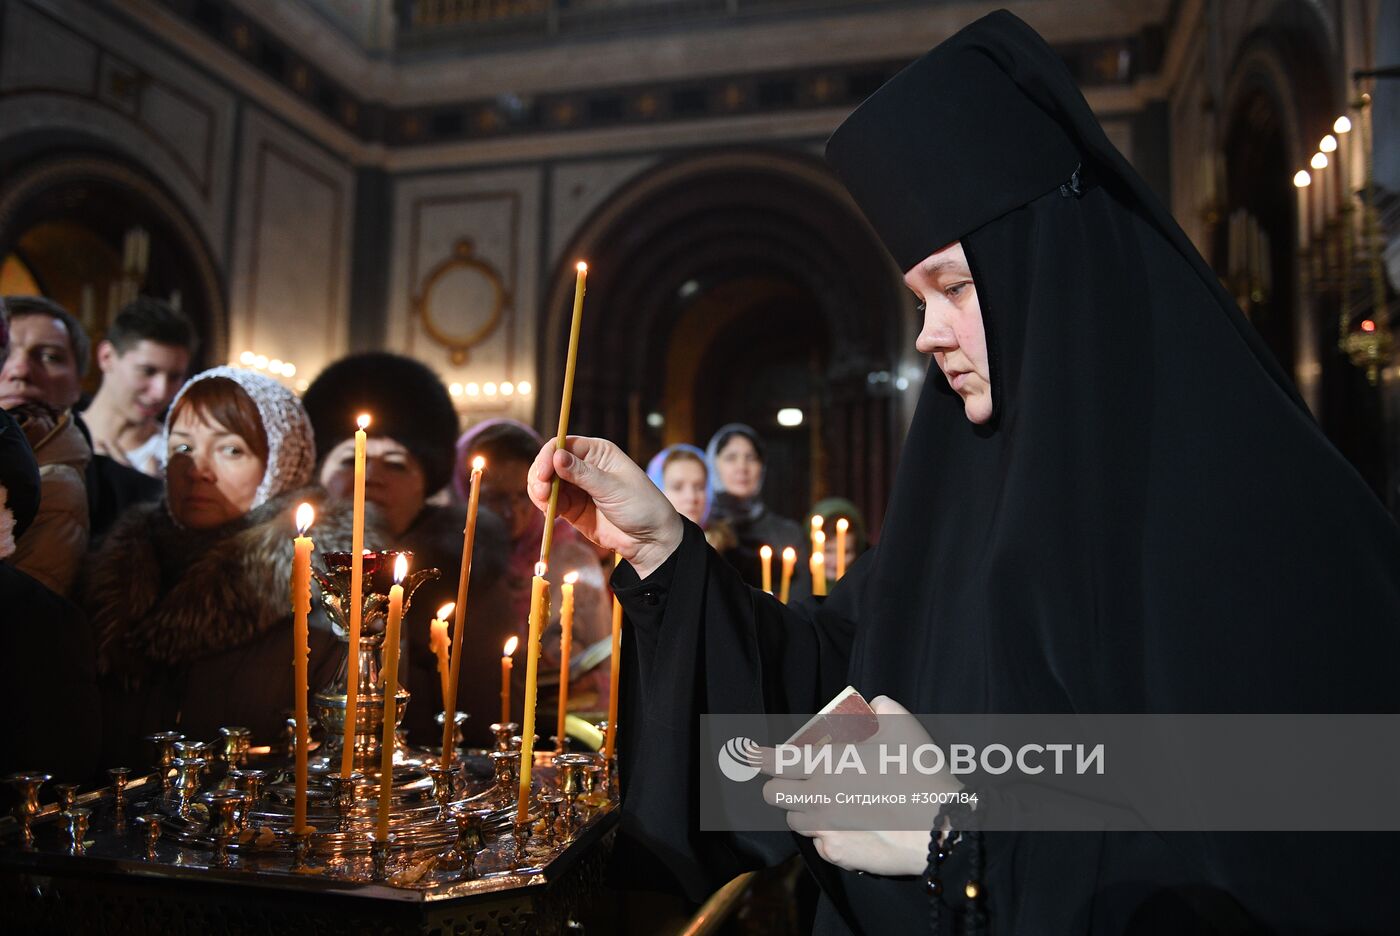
(307, 180)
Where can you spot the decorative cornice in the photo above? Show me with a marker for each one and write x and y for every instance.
(1114, 63)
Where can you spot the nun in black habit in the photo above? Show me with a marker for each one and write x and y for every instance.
(1127, 510)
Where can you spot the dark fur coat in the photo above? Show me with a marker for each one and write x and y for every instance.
(194, 628)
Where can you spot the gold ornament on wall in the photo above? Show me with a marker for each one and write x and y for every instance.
(464, 257)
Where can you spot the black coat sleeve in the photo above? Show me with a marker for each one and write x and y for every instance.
(698, 640)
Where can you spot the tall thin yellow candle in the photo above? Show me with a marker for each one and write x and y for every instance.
(449, 704)
(570, 365)
(357, 569)
(615, 677)
(842, 525)
(506, 666)
(566, 647)
(765, 555)
(301, 609)
(539, 612)
(440, 644)
(817, 567)
(391, 692)
(539, 588)
(789, 563)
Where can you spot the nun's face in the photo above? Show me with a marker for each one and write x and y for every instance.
(952, 330)
(739, 466)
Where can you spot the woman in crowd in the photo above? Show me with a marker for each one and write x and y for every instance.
(408, 459)
(683, 475)
(189, 597)
(737, 468)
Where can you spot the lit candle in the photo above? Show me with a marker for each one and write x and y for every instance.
(441, 645)
(539, 612)
(391, 692)
(1302, 181)
(765, 555)
(506, 665)
(566, 646)
(842, 525)
(570, 365)
(816, 528)
(789, 563)
(539, 588)
(817, 567)
(301, 650)
(357, 568)
(610, 743)
(449, 704)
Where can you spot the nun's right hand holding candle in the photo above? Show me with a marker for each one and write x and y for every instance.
(609, 499)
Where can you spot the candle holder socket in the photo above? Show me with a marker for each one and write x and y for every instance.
(504, 731)
(76, 824)
(26, 787)
(119, 776)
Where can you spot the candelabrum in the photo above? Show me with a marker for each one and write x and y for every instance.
(450, 829)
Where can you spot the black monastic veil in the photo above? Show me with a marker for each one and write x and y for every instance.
(1151, 522)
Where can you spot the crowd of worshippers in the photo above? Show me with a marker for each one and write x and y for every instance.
(146, 535)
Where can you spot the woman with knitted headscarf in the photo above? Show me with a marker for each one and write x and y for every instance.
(737, 468)
(408, 459)
(188, 597)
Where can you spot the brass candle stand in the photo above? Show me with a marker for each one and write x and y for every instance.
(222, 809)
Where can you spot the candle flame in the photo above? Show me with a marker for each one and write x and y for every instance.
(509, 648)
(541, 569)
(571, 578)
(363, 421)
(818, 559)
(1319, 160)
(817, 521)
(400, 568)
(818, 539)
(1302, 178)
(478, 463)
(765, 551)
(1328, 144)
(789, 555)
(306, 515)
(446, 610)
(843, 525)
(582, 267)
(1342, 124)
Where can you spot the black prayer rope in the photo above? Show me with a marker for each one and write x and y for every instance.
(940, 845)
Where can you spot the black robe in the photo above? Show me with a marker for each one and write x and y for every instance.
(1151, 523)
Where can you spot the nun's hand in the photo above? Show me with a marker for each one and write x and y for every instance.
(821, 804)
(608, 499)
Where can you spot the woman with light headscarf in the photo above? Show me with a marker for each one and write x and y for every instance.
(737, 468)
(189, 597)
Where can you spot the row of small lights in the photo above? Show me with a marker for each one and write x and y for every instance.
(490, 389)
(1328, 144)
(271, 365)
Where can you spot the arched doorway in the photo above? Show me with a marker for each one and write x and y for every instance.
(727, 287)
(1282, 99)
(89, 231)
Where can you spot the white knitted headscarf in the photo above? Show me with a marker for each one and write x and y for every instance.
(291, 447)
